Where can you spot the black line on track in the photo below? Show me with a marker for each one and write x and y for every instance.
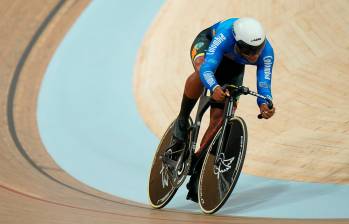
(10, 106)
(12, 126)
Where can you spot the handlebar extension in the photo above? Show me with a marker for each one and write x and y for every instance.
(242, 90)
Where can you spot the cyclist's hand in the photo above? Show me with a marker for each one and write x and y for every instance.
(266, 112)
(219, 94)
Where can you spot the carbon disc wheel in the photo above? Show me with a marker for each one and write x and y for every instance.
(164, 180)
(220, 173)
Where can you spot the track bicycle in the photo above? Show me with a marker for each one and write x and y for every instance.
(223, 161)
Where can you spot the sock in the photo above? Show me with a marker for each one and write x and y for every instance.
(186, 107)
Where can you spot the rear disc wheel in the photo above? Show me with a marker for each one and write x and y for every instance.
(164, 179)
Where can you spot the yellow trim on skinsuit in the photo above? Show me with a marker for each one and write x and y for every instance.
(198, 55)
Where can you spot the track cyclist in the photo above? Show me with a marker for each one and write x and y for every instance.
(219, 55)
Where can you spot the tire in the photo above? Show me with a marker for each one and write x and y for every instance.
(217, 182)
(162, 187)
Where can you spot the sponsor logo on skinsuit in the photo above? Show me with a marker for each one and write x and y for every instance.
(263, 85)
(209, 77)
(196, 48)
(268, 63)
(215, 43)
(199, 45)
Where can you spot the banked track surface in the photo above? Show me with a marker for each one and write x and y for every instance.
(33, 189)
(307, 139)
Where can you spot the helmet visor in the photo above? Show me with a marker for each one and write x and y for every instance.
(246, 49)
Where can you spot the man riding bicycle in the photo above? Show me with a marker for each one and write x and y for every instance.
(219, 55)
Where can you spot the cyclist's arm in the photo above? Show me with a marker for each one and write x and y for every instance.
(264, 73)
(213, 57)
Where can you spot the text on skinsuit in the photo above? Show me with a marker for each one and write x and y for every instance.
(268, 62)
(209, 77)
(263, 85)
(216, 41)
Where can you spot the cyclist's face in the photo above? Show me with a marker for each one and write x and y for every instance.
(252, 58)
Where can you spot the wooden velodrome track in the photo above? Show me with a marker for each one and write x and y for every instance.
(308, 138)
(33, 189)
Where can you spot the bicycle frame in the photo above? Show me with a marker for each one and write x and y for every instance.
(204, 104)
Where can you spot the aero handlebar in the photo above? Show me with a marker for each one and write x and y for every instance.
(242, 90)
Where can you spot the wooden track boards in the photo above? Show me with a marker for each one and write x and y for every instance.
(308, 138)
(33, 189)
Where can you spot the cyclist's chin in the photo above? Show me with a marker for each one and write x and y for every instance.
(252, 59)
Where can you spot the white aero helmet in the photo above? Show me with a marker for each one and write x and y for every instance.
(249, 35)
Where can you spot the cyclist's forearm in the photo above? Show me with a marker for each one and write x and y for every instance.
(208, 69)
(208, 79)
(263, 88)
(264, 75)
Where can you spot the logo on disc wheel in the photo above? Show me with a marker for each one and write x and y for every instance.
(164, 176)
(223, 164)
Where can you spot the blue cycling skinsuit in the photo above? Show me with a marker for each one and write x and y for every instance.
(222, 45)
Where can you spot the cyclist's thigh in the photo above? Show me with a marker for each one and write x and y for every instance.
(199, 47)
